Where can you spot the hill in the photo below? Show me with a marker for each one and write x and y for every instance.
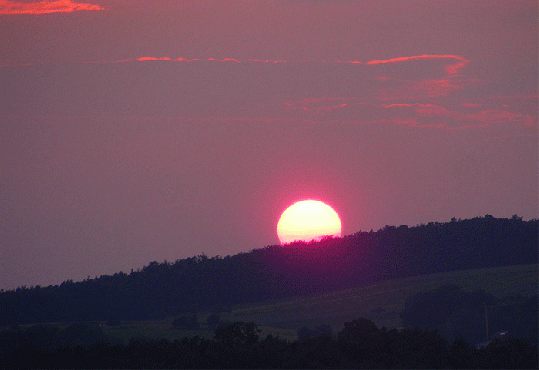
(382, 303)
(202, 283)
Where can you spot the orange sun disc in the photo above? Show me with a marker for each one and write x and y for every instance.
(308, 220)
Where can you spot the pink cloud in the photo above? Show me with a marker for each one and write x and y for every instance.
(425, 114)
(224, 60)
(436, 87)
(399, 89)
(450, 69)
(491, 117)
(413, 90)
(414, 123)
(187, 60)
(144, 59)
(410, 114)
(417, 102)
(45, 7)
(317, 105)
(266, 61)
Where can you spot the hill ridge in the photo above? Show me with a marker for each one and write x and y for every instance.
(201, 283)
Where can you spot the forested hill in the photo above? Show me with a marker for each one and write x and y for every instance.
(203, 283)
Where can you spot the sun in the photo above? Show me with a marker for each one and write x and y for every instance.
(308, 220)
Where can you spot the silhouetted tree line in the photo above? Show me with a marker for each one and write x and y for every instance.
(50, 338)
(196, 283)
(455, 313)
(360, 344)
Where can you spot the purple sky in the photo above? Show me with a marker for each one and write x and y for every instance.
(134, 131)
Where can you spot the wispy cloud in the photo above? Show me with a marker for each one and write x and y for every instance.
(191, 60)
(451, 69)
(45, 7)
(416, 95)
(398, 87)
(317, 105)
(413, 89)
(431, 115)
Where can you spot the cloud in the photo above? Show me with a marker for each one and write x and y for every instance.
(432, 115)
(413, 83)
(144, 59)
(317, 105)
(413, 89)
(400, 88)
(451, 69)
(315, 91)
(45, 7)
(187, 60)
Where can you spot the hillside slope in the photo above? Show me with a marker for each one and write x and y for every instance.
(298, 269)
(335, 308)
(381, 302)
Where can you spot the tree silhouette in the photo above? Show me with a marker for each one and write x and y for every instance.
(237, 334)
(201, 283)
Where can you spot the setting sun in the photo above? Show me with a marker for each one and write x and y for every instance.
(308, 220)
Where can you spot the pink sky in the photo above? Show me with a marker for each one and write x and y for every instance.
(134, 131)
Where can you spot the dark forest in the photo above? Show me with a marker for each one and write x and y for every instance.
(214, 283)
(360, 344)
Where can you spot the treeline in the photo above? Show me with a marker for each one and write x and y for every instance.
(360, 344)
(202, 283)
(472, 315)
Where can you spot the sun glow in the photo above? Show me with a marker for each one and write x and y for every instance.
(308, 220)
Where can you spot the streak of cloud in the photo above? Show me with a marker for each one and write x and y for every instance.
(45, 7)
(433, 87)
(317, 105)
(373, 92)
(431, 115)
(451, 69)
(413, 89)
(189, 60)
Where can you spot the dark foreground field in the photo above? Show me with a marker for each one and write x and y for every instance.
(359, 345)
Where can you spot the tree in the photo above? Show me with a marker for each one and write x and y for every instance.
(449, 310)
(360, 341)
(237, 334)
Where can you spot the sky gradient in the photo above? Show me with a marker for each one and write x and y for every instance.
(134, 131)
